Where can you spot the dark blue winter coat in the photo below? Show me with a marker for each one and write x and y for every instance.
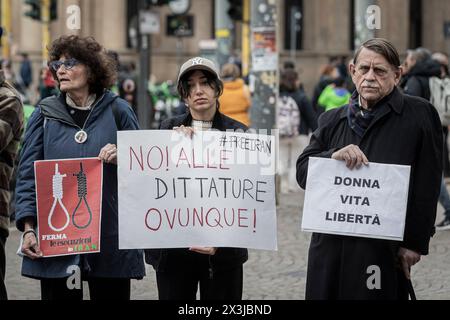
(56, 141)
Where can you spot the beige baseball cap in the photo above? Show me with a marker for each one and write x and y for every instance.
(198, 63)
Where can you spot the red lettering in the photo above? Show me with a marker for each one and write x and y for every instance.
(167, 158)
(179, 218)
(161, 155)
(254, 221)
(199, 218)
(185, 158)
(223, 158)
(171, 222)
(140, 163)
(225, 217)
(241, 218)
(209, 166)
(214, 218)
(193, 161)
(146, 219)
(217, 221)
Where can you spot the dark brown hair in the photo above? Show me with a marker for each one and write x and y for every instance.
(184, 88)
(102, 68)
(288, 80)
(383, 47)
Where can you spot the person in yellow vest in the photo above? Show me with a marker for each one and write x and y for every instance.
(235, 101)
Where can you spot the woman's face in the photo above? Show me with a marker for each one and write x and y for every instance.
(202, 97)
(72, 75)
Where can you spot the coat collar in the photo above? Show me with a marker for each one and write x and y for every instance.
(394, 101)
(55, 107)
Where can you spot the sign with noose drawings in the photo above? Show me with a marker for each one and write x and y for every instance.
(69, 199)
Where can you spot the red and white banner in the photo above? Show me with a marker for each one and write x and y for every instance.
(216, 189)
(69, 205)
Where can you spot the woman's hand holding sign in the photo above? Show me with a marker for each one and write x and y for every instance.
(352, 155)
(30, 246)
(188, 131)
(108, 154)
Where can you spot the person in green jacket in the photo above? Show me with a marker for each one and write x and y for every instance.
(334, 95)
(27, 111)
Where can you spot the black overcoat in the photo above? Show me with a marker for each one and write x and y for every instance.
(406, 130)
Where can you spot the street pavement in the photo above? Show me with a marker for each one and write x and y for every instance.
(268, 275)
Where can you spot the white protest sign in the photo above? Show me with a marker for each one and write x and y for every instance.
(367, 202)
(216, 190)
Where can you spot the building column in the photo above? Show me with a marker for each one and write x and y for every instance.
(362, 32)
(32, 42)
(113, 28)
(395, 23)
(59, 27)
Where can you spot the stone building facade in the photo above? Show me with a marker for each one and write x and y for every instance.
(326, 30)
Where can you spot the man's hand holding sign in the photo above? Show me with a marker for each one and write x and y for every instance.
(352, 155)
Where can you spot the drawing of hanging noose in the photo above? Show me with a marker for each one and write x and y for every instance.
(58, 195)
(82, 193)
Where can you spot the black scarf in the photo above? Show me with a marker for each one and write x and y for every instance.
(358, 118)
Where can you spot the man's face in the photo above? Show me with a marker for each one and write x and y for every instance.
(373, 77)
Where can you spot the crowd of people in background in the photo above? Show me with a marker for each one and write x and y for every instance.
(419, 67)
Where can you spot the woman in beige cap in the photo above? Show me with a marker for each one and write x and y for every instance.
(218, 271)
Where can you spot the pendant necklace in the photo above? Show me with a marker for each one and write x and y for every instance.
(81, 136)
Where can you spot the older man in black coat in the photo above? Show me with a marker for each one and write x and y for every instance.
(379, 125)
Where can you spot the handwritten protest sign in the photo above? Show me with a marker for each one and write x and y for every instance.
(69, 199)
(216, 189)
(367, 202)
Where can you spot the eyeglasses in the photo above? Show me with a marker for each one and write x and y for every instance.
(68, 64)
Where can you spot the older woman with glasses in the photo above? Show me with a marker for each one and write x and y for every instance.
(81, 122)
